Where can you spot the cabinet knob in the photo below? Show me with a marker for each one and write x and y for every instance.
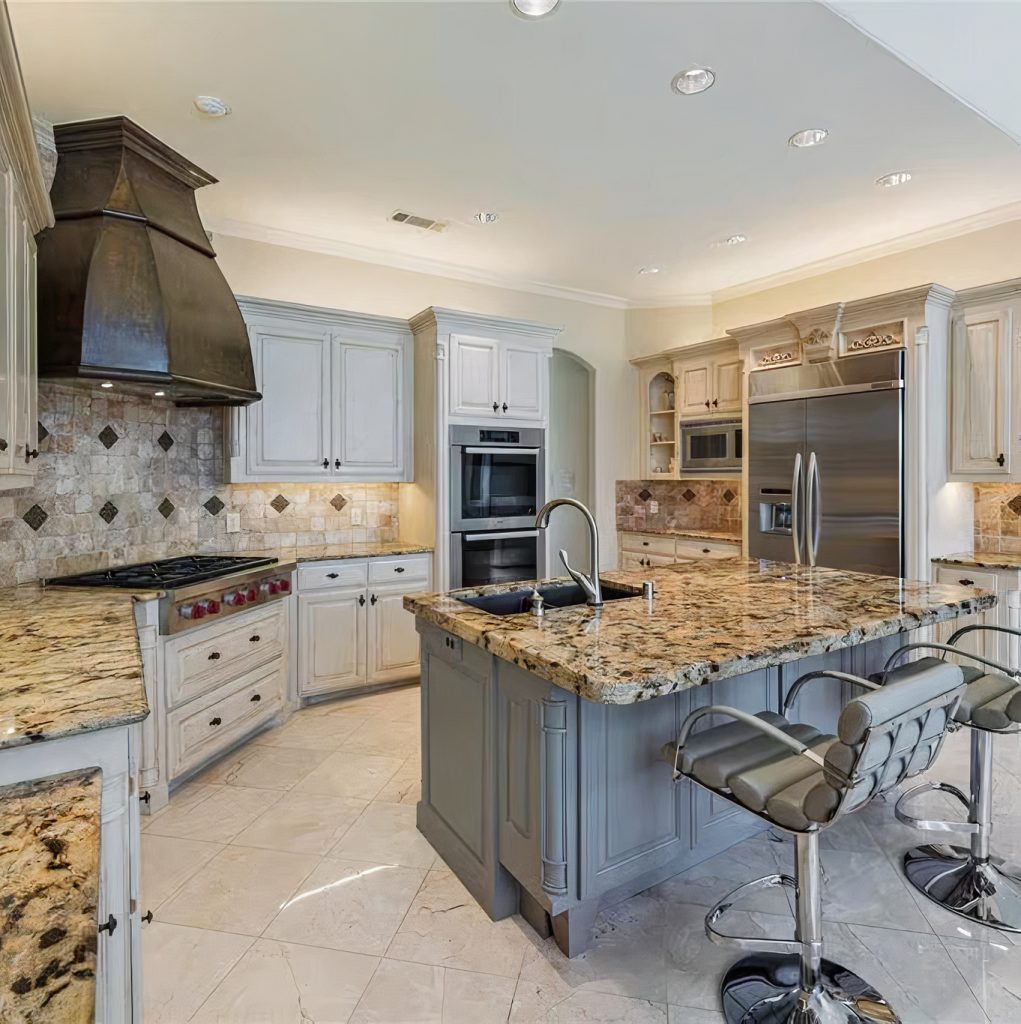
(398, 568)
(496, 406)
(966, 583)
(504, 406)
(337, 463)
(254, 639)
(705, 551)
(707, 403)
(1000, 459)
(110, 925)
(715, 403)
(214, 656)
(33, 453)
(255, 698)
(361, 599)
(147, 917)
(332, 575)
(3, 444)
(372, 600)
(645, 543)
(326, 463)
(216, 721)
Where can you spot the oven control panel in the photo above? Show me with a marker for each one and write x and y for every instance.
(216, 599)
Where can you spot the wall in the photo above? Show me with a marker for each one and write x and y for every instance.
(125, 479)
(596, 334)
(652, 330)
(683, 504)
(998, 518)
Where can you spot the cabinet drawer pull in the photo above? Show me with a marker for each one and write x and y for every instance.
(255, 698)
(214, 656)
(707, 403)
(399, 568)
(34, 454)
(1000, 459)
(254, 639)
(361, 599)
(504, 406)
(715, 403)
(337, 463)
(326, 463)
(216, 721)
(3, 444)
(706, 551)
(372, 600)
(496, 406)
(966, 583)
(110, 925)
(332, 575)
(147, 917)
(645, 543)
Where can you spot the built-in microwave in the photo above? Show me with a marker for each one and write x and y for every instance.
(711, 446)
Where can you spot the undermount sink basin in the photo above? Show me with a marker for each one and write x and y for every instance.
(554, 595)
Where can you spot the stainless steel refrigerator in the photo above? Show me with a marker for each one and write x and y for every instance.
(826, 464)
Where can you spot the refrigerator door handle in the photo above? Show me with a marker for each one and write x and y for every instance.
(813, 508)
(796, 509)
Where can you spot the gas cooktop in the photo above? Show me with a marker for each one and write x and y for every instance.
(167, 573)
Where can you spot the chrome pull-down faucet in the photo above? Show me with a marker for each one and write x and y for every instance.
(589, 584)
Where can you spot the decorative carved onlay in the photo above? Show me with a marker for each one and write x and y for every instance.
(785, 355)
(553, 816)
(868, 339)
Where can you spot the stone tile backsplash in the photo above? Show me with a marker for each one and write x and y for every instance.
(683, 504)
(998, 518)
(125, 479)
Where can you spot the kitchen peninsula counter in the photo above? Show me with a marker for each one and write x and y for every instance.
(544, 786)
(706, 622)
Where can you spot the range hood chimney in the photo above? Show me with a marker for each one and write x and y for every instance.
(129, 289)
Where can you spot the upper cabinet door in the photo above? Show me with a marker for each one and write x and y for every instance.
(368, 415)
(289, 431)
(727, 378)
(696, 380)
(523, 382)
(981, 375)
(474, 376)
(9, 369)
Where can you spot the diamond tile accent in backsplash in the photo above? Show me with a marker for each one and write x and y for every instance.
(338, 501)
(998, 518)
(683, 504)
(214, 506)
(279, 503)
(165, 465)
(108, 437)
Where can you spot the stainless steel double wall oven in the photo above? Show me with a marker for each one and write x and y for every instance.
(497, 485)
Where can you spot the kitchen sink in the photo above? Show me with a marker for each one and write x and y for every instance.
(554, 595)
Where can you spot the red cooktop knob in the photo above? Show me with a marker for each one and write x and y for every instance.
(285, 586)
(212, 607)
(252, 594)
(271, 587)
(235, 599)
(192, 611)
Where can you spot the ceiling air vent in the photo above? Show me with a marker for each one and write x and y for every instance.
(413, 220)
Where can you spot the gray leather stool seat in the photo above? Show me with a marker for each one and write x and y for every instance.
(971, 882)
(802, 780)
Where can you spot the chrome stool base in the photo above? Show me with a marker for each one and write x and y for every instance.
(766, 989)
(982, 891)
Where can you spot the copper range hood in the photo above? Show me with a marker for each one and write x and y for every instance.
(129, 288)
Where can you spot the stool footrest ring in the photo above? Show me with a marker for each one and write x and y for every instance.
(932, 825)
(724, 906)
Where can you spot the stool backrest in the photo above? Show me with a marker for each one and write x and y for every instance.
(884, 737)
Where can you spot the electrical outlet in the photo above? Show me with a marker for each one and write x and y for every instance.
(653, 507)
(233, 522)
(356, 517)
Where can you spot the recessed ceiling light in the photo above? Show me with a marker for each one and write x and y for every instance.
(808, 137)
(648, 270)
(106, 384)
(534, 8)
(893, 179)
(487, 217)
(691, 81)
(211, 106)
(731, 240)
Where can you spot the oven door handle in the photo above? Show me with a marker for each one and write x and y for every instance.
(508, 450)
(503, 535)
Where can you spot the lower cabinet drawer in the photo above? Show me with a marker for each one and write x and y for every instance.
(202, 728)
(647, 543)
(409, 569)
(690, 548)
(966, 577)
(200, 662)
(344, 573)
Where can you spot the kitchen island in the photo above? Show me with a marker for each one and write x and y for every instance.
(543, 785)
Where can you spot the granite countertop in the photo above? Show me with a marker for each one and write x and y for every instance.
(49, 861)
(330, 552)
(707, 622)
(69, 663)
(681, 531)
(982, 560)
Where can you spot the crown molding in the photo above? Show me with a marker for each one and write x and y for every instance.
(685, 300)
(404, 261)
(927, 236)
(988, 292)
(257, 309)
(445, 321)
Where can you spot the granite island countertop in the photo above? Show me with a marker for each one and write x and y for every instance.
(49, 861)
(69, 662)
(707, 622)
(982, 560)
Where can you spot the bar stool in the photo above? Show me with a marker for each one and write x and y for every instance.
(803, 781)
(970, 882)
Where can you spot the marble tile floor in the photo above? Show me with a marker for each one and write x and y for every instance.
(288, 883)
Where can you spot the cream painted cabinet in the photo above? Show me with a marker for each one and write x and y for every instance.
(353, 630)
(644, 550)
(337, 398)
(710, 381)
(496, 378)
(981, 375)
(1003, 648)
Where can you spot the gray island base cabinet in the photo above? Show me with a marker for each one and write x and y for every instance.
(554, 806)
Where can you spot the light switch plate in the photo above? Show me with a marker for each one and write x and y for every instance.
(653, 507)
(233, 522)
(356, 517)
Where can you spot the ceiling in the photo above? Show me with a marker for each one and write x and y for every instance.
(567, 127)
